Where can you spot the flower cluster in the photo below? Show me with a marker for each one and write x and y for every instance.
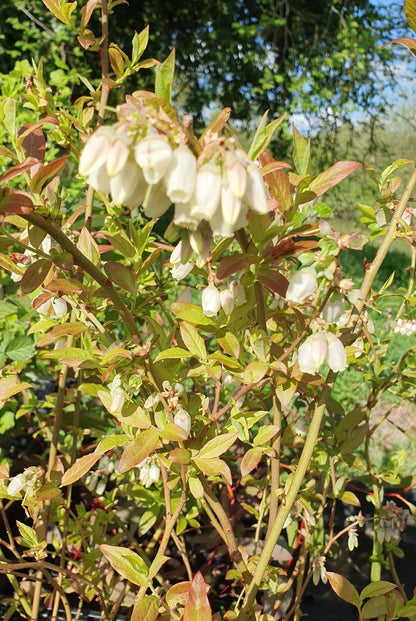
(392, 521)
(143, 160)
(319, 348)
(406, 327)
(213, 299)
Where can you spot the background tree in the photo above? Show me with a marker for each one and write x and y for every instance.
(321, 58)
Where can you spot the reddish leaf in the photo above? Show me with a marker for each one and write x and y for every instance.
(87, 11)
(197, 606)
(406, 42)
(18, 169)
(332, 176)
(234, 263)
(121, 275)
(177, 594)
(275, 281)
(80, 467)
(250, 460)
(277, 181)
(12, 201)
(10, 386)
(137, 450)
(35, 274)
(216, 125)
(45, 173)
(33, 143)
(343, 588)
(64, 285)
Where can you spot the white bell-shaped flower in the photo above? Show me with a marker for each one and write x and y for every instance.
(180, 176)
(211, 301)
(128, 188)
(227, 301)
(153, 155)
(333, 309)
(301, 285)
(336, 356)
(312, 353)
(206, 197)
(256, 190)
(95, 151)
(183, 420)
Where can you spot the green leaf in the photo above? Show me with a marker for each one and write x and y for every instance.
(110, 442)
(230, 344)
(164, 78)
(375, 607)
(265, 434)
(20, 348)
(350, 499)
(197, 606)
(196, 488)
(192, 313)
(377, 588)
(343, 588)
(193, 340)
(214, 467)
(127, 563)
(158, 562)
(88, 246)
(7, 421)
(139, 44)
(217, 446)
(254, 372)
(146, 609)
(7, 309)
(10, 386)
(263, 135)
(173, 353)
(301, 152)
(137, 450)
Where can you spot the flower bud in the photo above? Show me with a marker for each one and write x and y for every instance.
(180, 176)
(312, 353)
(153, 155)
(211, 302)
(16, 484)
(227, 301)
(336, 356)
(333, 309)
(301, 285)
(183, 420)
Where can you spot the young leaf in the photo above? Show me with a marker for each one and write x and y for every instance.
(343, 588)
(35, 274)
(164, 78)
(121, 275)
(45, 173)
(376, 588)
(146, 609)
(193, 340)
(301, 152)
(81, 466)
(137, 450)
(332, 176)
(217, 446)
(127, 563)
(197, 606)
(250, 460)
(263, 135)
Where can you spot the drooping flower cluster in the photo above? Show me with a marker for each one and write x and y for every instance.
(143, 160)
(406, 327)
(319, 348)
(213, 299)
